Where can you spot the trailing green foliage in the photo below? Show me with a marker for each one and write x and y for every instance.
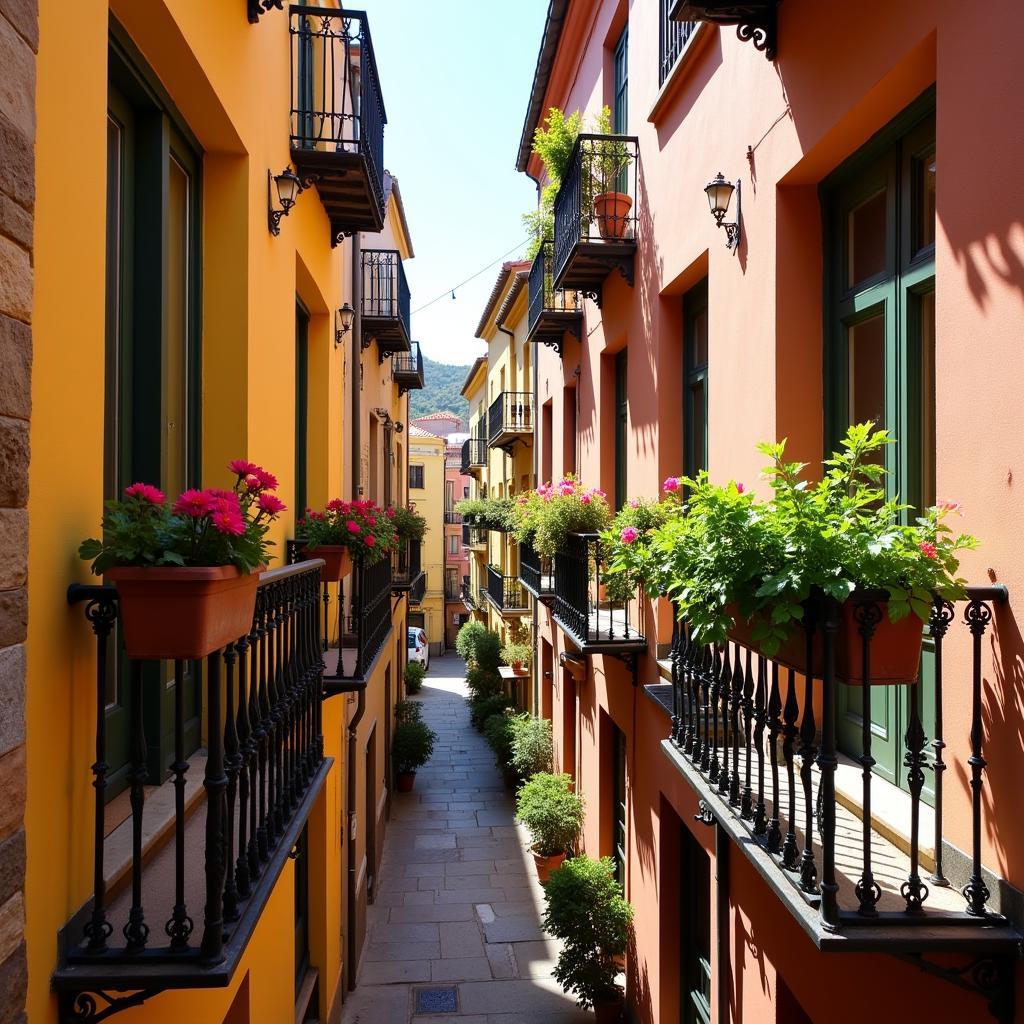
(409, 525)
(532, 746)
(545, 517)
(552, 811)
(587, 911)
(487, 513)
(552, 142)
(414, 674)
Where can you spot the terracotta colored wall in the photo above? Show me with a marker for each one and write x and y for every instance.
(843, 72)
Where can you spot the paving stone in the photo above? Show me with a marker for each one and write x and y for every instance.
(537, 995)
(469, 968)
(434, 913)
(514, 929)
(461, 939)
(394, 971)
(502, 960)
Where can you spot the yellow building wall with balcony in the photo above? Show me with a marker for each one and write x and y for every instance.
(426, 467)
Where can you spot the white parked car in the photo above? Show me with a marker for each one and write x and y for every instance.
(419, 649)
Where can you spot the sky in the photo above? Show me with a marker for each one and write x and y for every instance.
(456, 77)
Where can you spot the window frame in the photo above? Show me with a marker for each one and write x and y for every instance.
(695, 376)
(416, 473)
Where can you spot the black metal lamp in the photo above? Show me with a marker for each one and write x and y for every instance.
(288, 187)
(719, 193)
(342, 323)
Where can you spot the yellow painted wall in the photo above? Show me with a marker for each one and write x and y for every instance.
(428, 451)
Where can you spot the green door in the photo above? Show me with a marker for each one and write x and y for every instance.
(880, 330)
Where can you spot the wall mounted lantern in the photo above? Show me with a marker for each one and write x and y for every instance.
(719, 193)
(288, 188)
(342, 323)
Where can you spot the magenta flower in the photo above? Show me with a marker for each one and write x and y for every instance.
(629, 534)
(267, 480)
(228, 523)
(145, 492)
(634, 502)
(740, 488)
(191, 503)
(252, 483)
(242, 467)
(928, 549)
(353, 527)
(671, 484)
(370, 540)
(586, 498)
(271, 504)
(390, 513)
(950, 506)
(600, 493)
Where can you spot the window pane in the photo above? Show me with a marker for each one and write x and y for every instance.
(866, 342)
(698, 428)
(174, 456)
(926, 200)
(927, 327)
(866, 231)
(699, 347)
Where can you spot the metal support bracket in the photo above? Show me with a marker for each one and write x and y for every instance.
(555, 343)
(91, 1007)
(704, 814)
(991, 976)
(257, 8)
(630, 660)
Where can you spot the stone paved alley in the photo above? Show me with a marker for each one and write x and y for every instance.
(458, 905)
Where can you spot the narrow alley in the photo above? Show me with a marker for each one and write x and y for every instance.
(454, 932)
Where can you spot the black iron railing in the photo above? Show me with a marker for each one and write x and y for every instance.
(510, 413)
(474, 453)
(336, 104)
(506, 593)
(385, 289)
(369, 619)
(407, 368)
(751, 742)
(418, 588)
(535, 572)
(467, 597)
(405, 563)
(265, 763)
(473, 536)
(586, 211)
(543, 296)
(588, 604)
(673, 37)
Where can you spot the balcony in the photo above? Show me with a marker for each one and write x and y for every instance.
(407, 369)
(474, 455)
(745, 736)
(755, 20)
(385, 303)
(536, 573)
(337, 116)
(506, 593)
(453, 518)
(405, 565)
(418, 589)
(510, 419)
(551, 312)
(474, 536)
(595, 621)
(467, 597)
(187, 905)
(596, 214)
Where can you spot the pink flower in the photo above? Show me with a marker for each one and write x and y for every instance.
(370, 540)
(739, 488)
(218, 500)
(353, 527)
(928, 549)
(145, 492)
(950, 506)
(634, 502)
(191, 503)
(267, 480)
(338, 505)
(600, 493)
(271, 504)
(252, 483)
(371, 520)
(228, 523)
(671, 484)
(390, 513)
(565, 489)
(629, 534)
(242, 467)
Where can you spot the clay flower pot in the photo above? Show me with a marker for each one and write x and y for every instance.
(337, 561)
(519, 669)
(612, 212)
(406, 780)
(609, 1011)
(546, 865)
(169, 612)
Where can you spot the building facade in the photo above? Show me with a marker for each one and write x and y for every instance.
(836, 284)
(202, 837)
(457, 485)
(426, 496)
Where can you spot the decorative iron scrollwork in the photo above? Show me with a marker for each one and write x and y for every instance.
(756, 21)
(257, 8)
(991, 976)
(93, 1006)
(704, 813)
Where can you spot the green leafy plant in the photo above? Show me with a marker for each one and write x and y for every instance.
(412, 744)
(532, 746)
(408, 711)
(466, 639)
(482, 681)
(552, 811)
(626, 545)
(488, 513)
(553, 143)
(483, 706)
(409, 525)
(487, 655)
(414, 674)
(202, 528)
(498, 733)
(585, 908)
(366, 529)
(608, 157)
(545, 517)
(513, 653)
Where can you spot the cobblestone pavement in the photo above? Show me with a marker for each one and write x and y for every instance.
(458, 905)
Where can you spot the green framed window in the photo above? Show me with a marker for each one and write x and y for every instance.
(620, 96)
(694, 931)
(879, 217)
(695, 379)
(621, 428)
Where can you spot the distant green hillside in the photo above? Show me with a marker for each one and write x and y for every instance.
(441, 386)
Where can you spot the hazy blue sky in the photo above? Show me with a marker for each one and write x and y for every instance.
(456, 76)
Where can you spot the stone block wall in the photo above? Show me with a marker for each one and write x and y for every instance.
(19, 42)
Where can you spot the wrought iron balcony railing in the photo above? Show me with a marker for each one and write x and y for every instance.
(551, 311)
(192, 905)
(337, 116)
(536, 573)
(756, 740)
(674, 37)
(406, 564)
(385, 302)
(596, 213)
(407, 369)
(587, 605)
(506, 593)
(474, 454)
(755, 20)
(510, 419)
(474, 536)
(369, 620)
(467, 597)
(418, 589)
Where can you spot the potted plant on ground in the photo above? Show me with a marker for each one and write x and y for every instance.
(498, 733)
(412, 743)
(553, 813)
(608, 158)
(517, 657)
(346, 530)
(186, 574)
(587, 911)
(414, 674)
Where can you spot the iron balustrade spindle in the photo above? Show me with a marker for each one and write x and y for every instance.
(510, 413)
(673, 39)
(385, 293)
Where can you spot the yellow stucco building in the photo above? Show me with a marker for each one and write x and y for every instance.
(426, 495)
(218, 256)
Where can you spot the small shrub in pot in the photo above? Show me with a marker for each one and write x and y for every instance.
(553, 812)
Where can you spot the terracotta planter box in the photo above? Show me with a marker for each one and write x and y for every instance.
(406, 780)
(611, 209)
(895, 648)
(546, 865)
(337, 561)
(183, 614)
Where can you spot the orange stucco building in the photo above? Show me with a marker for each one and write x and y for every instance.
(872, 271)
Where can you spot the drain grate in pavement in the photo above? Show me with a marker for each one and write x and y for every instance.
(436, 1000)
